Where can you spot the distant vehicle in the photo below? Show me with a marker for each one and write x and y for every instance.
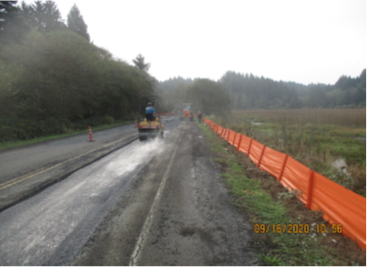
(147, 127)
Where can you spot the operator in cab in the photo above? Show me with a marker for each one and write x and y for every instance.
(149, 112)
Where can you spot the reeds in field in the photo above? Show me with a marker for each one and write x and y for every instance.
(314, 137)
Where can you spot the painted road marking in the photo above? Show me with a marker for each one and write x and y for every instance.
(39, 171)
(148, 221)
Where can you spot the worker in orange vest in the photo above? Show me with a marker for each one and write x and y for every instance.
(187, 113)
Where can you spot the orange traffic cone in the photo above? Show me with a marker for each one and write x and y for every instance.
(90, 134)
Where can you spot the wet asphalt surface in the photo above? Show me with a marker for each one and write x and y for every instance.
(51, 227)
(19, 161)
(192, 222)
(196, 222)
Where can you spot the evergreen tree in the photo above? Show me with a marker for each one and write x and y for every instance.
(44, 16)
(140, 64)
(7, 12)
(360, 96)
(12, 25)
(76, 23)
(258, 92)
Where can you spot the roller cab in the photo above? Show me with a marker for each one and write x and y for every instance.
(149, 126)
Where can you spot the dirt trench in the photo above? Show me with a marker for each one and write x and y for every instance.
(193, 222)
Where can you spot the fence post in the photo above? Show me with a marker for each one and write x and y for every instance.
(239, 143)
(234, 138)
(261, 156)
(283, 167)
(222, 132)
(309, 193)
(249, 147)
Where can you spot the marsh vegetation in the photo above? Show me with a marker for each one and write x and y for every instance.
(318, 138)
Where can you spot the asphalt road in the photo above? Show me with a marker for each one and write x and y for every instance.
(52, 226)
(177, 211)
(160, 202)
(23, 160)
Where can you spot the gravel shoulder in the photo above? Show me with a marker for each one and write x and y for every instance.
(194, 222)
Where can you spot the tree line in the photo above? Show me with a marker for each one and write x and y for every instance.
(53, 80)
(347, 92)
(246, 91)
(210, 97)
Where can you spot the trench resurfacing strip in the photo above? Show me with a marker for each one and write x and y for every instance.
(142, 237)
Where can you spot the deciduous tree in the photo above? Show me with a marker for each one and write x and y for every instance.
(210, 97)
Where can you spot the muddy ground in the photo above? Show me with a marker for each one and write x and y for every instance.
(190, 221)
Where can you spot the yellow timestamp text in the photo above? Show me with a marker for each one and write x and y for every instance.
(295, 228)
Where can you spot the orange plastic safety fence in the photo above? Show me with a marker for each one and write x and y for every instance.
(219, 130)
(225, 134)
(338, 204)
(272, 161)
(237, 139)
(230, 136)
(255, 151)
(221, 134)
(296, 176)
(244, 144)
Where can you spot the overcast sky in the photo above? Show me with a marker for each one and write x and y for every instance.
(301, 41)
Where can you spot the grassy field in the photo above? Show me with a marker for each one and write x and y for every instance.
(13, 144)
(264, 201)
(318, 138)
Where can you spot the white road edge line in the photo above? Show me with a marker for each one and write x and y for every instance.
(148, 221)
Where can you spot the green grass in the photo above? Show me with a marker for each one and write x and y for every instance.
(316, 138)
(14, 144)
(272, 249)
